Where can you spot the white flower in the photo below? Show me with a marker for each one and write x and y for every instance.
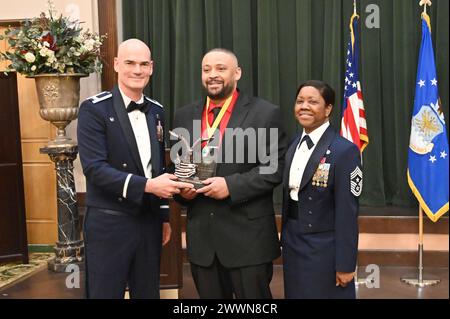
(46, 44)
(33, 68)
(51, 56)
(89, 45)
(44, 51)
(30, 57)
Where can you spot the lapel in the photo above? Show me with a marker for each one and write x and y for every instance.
(154, 143)
(127, 130)
(239, 112)
(316, 156)
(197, 113)
(289, 157)
(237, 117)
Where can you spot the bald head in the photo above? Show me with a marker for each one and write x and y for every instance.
(133, 45)
(134, 66)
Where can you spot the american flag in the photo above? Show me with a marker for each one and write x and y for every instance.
(353, 125)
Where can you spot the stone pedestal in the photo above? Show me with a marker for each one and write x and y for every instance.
(69, 247)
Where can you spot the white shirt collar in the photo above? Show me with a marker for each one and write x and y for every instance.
(317, 133)
(127, 100)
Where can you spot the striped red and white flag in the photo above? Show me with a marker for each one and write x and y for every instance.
(353, 123)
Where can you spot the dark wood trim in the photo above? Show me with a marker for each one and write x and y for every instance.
(404, 258)
(171, 257)
(385, 225)
(401, 258)
(401, 225)
(81, 199)
(14, 258)
(18, 234)
(10, 23)
(107, 20)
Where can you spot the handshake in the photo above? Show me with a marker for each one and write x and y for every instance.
(165, 186)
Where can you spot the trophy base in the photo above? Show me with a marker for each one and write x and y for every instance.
(196, 182)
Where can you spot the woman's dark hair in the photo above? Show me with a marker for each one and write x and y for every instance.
(325, 90)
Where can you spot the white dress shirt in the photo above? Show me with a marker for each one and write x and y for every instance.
(301, 158)
(138, 122)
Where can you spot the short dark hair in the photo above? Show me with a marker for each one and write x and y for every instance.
(325, 90)
(223, 50)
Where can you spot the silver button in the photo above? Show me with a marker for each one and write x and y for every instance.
(120, 199)
(309, 225)
(124, 165)
(212, 214)
(310, 198)
(310, 212)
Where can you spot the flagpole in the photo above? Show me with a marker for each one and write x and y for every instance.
(358, 281)
(419, 281)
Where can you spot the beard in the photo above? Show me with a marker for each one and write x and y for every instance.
(222, 94)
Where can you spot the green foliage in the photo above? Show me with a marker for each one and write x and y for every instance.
(46, 44)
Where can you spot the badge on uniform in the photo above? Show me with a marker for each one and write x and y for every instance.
(320, 178)
(159, 129)
(356, 182)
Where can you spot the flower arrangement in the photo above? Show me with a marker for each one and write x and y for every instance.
(49, 44)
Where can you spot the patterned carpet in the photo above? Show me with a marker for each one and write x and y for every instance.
(11, 272)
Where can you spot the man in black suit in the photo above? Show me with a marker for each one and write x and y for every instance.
(120, 137)
(232, 237)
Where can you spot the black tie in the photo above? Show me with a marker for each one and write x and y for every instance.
(216, 112)
(143, 107)
(308, 141)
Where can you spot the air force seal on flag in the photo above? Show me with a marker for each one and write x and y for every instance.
(356, 182)
(426, 125)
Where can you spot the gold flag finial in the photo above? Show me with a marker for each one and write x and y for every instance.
(425, 3)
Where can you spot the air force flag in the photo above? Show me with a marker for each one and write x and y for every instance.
(428, 166)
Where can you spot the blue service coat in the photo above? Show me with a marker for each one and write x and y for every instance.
(122, 234)
(108, 153)
(320, 238)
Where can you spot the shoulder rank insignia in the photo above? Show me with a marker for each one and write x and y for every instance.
(154, 102)
(356, 182)
(100, 97)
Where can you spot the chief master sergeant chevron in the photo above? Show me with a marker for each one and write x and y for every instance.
(121, 145)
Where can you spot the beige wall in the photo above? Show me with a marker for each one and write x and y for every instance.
(85, 11)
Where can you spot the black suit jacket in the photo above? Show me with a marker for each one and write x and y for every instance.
(241, 229)
(108, 153)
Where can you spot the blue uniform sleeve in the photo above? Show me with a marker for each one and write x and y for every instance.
(348, 187)
(92, 145)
